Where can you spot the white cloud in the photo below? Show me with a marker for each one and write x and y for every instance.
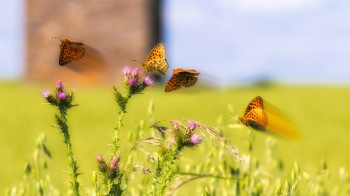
(271, 5)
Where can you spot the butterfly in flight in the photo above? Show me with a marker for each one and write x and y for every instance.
(258, 117)
(181, 77)
(70, 51)
(156, 62)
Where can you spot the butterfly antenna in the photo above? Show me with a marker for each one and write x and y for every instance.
(56, 38)
(136, 60)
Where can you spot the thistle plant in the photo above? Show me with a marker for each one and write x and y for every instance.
(169, 151)
(134, 83)
(62, 99)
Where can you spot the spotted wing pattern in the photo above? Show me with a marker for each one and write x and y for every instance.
(173, 84)
(70, 51)
(156, 62)
(254, 115)
(181, 77)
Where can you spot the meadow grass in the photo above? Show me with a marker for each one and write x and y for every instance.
(320, 113)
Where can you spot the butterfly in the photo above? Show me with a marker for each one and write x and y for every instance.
(258, 117)
(156, 62)
(70, 51)
(181, 77)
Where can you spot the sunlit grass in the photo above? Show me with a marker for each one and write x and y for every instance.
(320, 113)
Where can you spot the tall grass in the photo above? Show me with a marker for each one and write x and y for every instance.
(275, 165)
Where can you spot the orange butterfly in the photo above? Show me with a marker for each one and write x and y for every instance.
(181, 77)
(70, 51)
(156, 62)
(259, 118)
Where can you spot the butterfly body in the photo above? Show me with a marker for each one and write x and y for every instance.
(181, 77)
(70, 51)
(156, 62)
(260, 118)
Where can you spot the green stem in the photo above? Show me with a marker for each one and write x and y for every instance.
(121, 115)
(116, 132)
(62, 122)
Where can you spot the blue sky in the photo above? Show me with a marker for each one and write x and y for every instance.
(231, 41)
(11, 38)
(293, 41)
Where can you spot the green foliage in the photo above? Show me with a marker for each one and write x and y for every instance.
(36, 180)
(272, 165)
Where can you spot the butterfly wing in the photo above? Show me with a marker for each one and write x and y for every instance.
(157, 66)
(77, 51)
(70, 51)
(65, 56)
(158, 52)
(256, 119)
(187, 81)
(257, 102)
(156, 62)
(173, 83)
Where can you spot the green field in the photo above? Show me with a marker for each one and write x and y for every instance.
(321, 114)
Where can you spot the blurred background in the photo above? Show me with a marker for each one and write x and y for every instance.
(236, 42)
(294, 53)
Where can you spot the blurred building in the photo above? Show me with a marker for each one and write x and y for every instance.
(114, 32)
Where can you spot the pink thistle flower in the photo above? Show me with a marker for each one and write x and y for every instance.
(195, 139)
(192, 126)
(59, 84)
(101, 163)
(135, 72)
(62, 95)
(132, 81)
(148, 81)
(115, 162)
(46, 94)
(100, 158)
(126, 70)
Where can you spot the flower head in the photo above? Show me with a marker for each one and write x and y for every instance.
(192, 126)
(126, 70)
(100, 158)
(132, 82)
(59, 97)
(62, 95)
(148, 81)
(195, 139)
(114, 162)
(46, 94)
(59, 84)
(135, 72)
(101, 163)
(172, 140)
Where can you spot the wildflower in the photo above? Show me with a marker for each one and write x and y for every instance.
(192, 126)
(46, 94)
(148, 81)
(135, 72)
(62, 95)
(195, 139)
(100, 158)
(115, 162)
(132, 81)
(101, 163)
(172, 140)
(59, 85)
(126, 70)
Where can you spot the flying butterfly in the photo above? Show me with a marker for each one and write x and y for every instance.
(261, 118)
(156, 62)
(70, 51)
(181, 77)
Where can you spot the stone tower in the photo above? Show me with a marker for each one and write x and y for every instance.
(114, 32)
